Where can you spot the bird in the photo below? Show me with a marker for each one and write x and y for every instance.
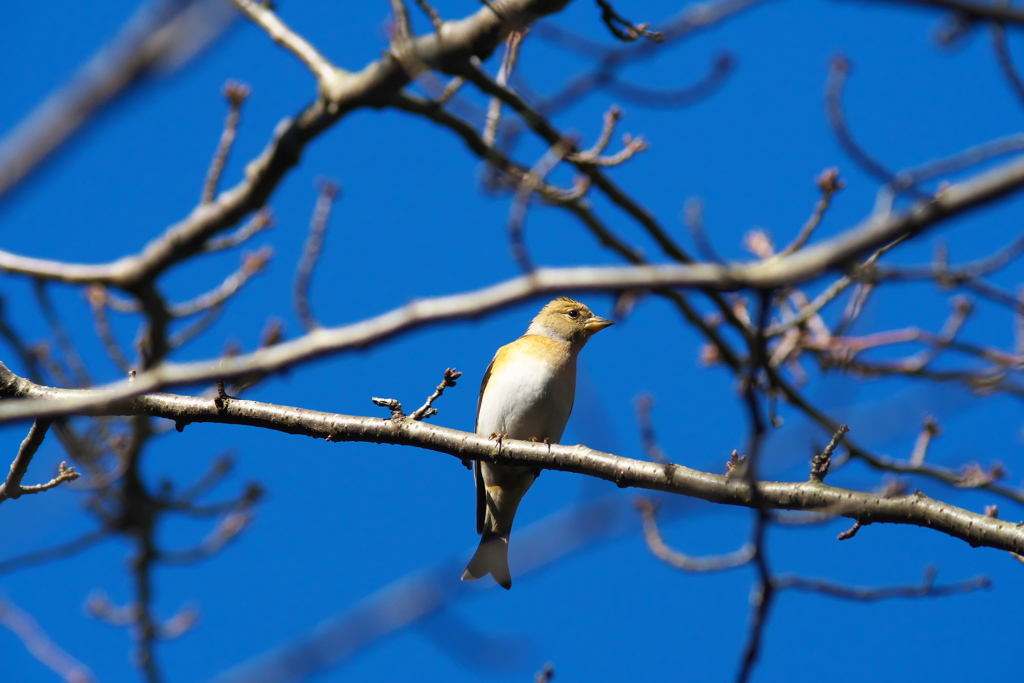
(527, 393)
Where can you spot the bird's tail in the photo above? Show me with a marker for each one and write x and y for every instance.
(491, 557)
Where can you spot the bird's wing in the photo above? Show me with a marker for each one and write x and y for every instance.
(483, 386)
(478, 477)
(481, 497)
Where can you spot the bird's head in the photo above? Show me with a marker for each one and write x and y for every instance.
(568, 320)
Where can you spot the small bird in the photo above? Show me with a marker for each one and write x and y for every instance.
(527, 393)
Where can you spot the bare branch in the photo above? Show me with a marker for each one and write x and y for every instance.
(644, 407)
(610, 60)
(12, 487)
(579, 209)
(195, 328)
(838, 73)
(220, 468)
(311, 253)
(624, 29)
(97, 297)
(391, 404)
(508, 64)
(252, 263)
(870, 508)
(47, 652)
(942, 474)
(972, 156)
(926, 589)
(284, 36)
(687, 563)
(763, 594)
(966, 276)
(543, 128)
(228, 529)
(930, 431)
(236, 94)
(531, 182)
(829, 183)
(821, 463)
(52, 553)
(427, 409)
(435, 19)
(974, 10)
(68, 351)
(849, 533)
(807, 263)
(261, 220)
(342, 92)
(153, 41)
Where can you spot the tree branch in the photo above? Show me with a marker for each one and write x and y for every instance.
(12, 487)
(838, 252)
(915, 509)
(340, 93)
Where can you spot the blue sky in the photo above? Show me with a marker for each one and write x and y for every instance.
(342, 523)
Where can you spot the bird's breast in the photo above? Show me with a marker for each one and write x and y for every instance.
(528, 394)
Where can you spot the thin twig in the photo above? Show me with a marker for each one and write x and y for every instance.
(403, 47)
(73, 360)
(435, 18)
(96, 295)
(972, 156)
(693, 217)
(197, 327)
(687, 563)
(427, 410)
(12, 487)
(449, 91)
(284, 36)
(252, 263)
(56, 552)
(235, 94)
(228, 529)
(508, 64)
(644, 407)
(1003, 57)
(530, 183)
(260, 221)
(763, 593)
(926, 589)
(631, 145)
(820, 463)
(828, 183)
(47, 652)
(840, 69)
(311, 253)
(943, 474)
(808, 312)
(924, 439)
(622, 28)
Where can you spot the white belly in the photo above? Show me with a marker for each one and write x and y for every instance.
(533, 402)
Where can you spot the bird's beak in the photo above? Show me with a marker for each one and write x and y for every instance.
(597, 323)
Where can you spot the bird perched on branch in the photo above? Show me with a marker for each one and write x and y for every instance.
(527, 393)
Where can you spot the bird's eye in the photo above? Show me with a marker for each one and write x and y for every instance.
(573, 313)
